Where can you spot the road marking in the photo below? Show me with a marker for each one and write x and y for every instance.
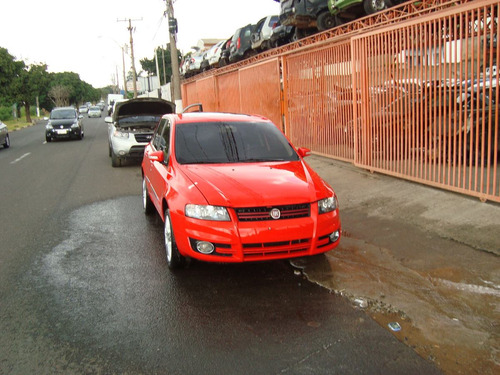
(21, 158)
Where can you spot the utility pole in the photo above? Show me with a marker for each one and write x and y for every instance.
(134, 72)
(176, 79)
(124, 76)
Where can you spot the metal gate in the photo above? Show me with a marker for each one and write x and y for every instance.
(413, 96)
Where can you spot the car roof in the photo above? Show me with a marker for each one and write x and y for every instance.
(192, 117)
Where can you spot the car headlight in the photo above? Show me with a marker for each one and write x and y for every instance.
(48, 126)
(216, 213)
(75, 125)
(327, 205)
(120, 134)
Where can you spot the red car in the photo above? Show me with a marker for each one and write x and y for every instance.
(231, 188)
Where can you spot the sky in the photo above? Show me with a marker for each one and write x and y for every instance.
(86, 37)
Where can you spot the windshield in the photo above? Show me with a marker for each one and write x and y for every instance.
(63, 114)
(235, 142)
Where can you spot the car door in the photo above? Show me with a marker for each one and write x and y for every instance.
(157, 172)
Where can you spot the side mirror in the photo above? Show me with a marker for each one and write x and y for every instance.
(303, 152)
(156, 156)
(80, 116)
(108, 119)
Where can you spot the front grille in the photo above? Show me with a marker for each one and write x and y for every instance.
(273, 249)
(136, 151)
(292, 211)
(143, 138)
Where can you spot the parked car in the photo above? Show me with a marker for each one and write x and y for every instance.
(348, 10)
(64, 122)
(212, 56)
(94, 111)
(262, 32)
(194, 63)
(83, 109)
(241, 44)
(231, 188)
(307, 16)
(282, 35)
(4, 135)
(131, 127)
(224, 54)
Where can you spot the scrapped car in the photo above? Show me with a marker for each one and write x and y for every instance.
(347, 10)
(4, 135)
(262, 33)
(307, 16)
(241, 44)
(231, 188)
(282, 35)
(64, 122)
(94, 111)
(131, 127)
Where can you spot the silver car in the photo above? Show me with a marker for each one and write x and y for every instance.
(131, 127)
(4, 135)
(94, 111)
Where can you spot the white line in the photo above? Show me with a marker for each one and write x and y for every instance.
(21, 158)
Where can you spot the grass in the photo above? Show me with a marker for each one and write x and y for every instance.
(19, 123)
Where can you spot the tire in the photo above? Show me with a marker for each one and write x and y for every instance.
(7, 142)
(374, 6)
(48, 138)
(174, 259)
(147, 204)
(326, 21)
(115, 160)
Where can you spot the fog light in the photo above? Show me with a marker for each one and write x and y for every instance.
(335, 236)
(205, 247)
(121, 152)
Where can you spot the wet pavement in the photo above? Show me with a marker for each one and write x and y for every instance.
(422, 257)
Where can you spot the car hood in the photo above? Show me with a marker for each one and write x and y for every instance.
(64, 121)
(257, 184)
(142, 106)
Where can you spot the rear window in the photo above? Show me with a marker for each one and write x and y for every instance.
(231, 142)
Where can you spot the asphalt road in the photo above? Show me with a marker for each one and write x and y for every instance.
(84, 285)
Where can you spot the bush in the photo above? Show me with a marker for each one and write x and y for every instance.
(5, 113)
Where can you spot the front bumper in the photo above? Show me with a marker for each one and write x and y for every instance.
(236, 242)
(63, 133)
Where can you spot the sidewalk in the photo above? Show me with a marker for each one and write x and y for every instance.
(423, 257)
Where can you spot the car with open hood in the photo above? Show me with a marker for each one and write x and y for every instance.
(231, 188)
(131, 127)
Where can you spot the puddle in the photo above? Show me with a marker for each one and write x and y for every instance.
(448, 314)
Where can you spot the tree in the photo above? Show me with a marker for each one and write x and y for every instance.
(164, 65)
(30, 84)
(59, 95)
(10, 70)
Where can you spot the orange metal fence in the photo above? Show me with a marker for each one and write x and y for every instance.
(416, 99)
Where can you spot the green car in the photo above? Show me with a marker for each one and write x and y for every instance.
(348, 10)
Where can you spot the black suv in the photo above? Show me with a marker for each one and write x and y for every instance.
(64, 122)
(241, 44)
(308, 16)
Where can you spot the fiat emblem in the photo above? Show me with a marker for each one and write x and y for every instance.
(275, 213)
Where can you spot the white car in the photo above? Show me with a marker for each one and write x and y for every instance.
(213, 54)
(94, 111)
(132, 125)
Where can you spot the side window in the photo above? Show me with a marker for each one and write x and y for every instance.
(157, 138)
(165, 138)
